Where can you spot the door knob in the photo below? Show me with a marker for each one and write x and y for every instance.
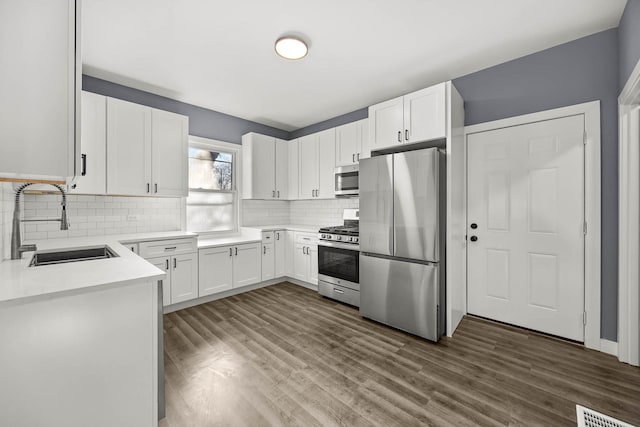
(474, 238)
(474, 226)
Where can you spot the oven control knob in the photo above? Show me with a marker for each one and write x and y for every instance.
(338, 237)
(350, 239)
(355, 240)
(329, 237)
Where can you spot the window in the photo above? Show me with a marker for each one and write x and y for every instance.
(212, 205)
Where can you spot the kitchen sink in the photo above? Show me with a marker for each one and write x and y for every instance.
(72, 255)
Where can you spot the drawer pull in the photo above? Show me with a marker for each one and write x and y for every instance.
(338, 291)
(171, 248)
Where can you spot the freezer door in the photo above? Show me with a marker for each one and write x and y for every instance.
(400, 294)
(416, 205)
(376, 205)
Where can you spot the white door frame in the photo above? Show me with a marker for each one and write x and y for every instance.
(592, 260)
(629, 218)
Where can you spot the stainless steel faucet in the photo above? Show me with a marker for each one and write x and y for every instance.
(17, 248)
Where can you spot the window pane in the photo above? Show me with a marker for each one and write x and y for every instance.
(210, 170)
(210, 211)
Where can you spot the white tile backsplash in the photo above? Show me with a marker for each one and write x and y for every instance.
(100, 215)
(104, 215)
(265, 212)
(320, 212)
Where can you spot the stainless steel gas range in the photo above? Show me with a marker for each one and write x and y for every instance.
(339, 260)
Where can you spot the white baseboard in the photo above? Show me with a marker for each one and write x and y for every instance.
(231, 292)
(609, 347)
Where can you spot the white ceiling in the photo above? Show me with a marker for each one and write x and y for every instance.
(219, 54)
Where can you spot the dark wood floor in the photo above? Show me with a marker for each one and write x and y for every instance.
(283, 355)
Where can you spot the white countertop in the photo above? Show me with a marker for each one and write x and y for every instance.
(19, 281)
(225, 241)
(290, 227)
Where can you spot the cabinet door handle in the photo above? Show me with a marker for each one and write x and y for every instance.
(277, 236)
(358, 157)
(264, 250)
(399, 136)
(304, 250)
(148, 187)
(167, 261)
(84, 165)
(353, 158)
(230, 251)
(278, 194)
(156, 187)
(406, 134)
(236, 251)
(175, 264)
(273, 193)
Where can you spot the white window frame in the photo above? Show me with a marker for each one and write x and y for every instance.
(236, 151)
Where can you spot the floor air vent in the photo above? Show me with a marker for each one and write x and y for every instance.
(590, 418)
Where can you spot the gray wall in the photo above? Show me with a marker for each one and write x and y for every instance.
(580, 71)
(328, 124)
(202, 122)
(629, 37)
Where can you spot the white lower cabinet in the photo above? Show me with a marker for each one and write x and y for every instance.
(289, 252)
(163, 264)
(247, 264)
(179, 259)
(268, 261)
(280, 253)
(181, 283)
(227, 267)
(305, 258)
(216, 270)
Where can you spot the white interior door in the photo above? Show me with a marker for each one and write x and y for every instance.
(525, 226)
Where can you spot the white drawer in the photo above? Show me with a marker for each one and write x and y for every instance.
(167, 247)
(308, 238)
(267, 237)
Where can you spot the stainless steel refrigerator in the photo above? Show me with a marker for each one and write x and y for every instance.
(402, 230)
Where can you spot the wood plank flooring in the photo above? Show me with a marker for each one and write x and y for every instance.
(283, 355)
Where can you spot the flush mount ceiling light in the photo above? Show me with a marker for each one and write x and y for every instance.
(290, 47)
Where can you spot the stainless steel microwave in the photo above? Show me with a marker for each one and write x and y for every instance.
(346, 181)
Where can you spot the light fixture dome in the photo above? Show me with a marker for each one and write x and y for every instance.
(290, 47)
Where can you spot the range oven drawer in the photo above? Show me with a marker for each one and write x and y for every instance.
(339, 293)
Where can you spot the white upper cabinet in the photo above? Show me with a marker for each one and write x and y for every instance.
(92, 178)
(418, 116)
(169, 145)
(308, 166)
(326, 163)
(282, 168)
(386, 123)
(146, 151)
(352, 143)
(425, 114)
(258, 166)
(265, 167)
(317, 164)
(293, 168)
(40, 79)
(128, 148)
(348, 144)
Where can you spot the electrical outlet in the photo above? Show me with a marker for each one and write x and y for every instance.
(133, 217)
